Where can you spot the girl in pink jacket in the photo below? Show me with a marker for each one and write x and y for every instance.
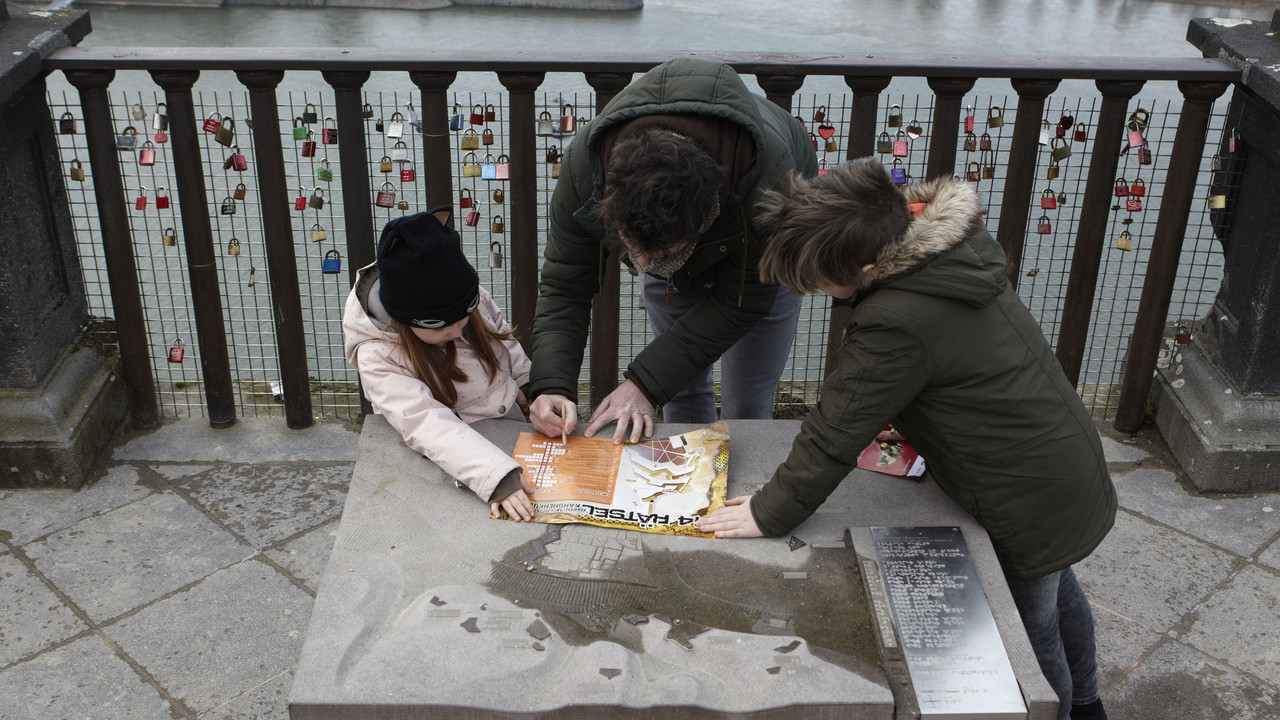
(435, 355)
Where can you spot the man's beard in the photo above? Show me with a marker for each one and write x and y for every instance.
(667, 266)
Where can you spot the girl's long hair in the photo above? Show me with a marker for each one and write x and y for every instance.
(437, 365)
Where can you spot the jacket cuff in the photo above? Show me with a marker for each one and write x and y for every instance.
(562, 392)
(506, 486)
(627, 374)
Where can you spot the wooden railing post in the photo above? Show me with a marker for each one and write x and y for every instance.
(197, 236)
(524, 200)
(606, 305)
(948, 96)
(117, 245)
(277, 236)
(1086, 257)
(435, 135)
(780, 89)
(353, 161)
(1166, 247)
(1019, 178)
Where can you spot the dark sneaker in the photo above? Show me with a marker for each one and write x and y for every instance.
(1091, 711)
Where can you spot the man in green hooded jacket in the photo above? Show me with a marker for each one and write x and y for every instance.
(939, 345)
(666, 178)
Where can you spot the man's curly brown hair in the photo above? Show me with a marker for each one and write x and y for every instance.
(660, 191)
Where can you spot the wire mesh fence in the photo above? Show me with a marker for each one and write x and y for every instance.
(393, 138)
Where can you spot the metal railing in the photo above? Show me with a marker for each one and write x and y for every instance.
(175, 70)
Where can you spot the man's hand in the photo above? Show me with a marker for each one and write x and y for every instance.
(553, 415)
(734, 520)
(628, 406)
(517, 505)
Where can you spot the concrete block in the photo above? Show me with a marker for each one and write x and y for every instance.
(266, 503)
(84, 679)
(28, 514)
(1240, 624)
(1241, 525)
(1271, 556)
(222, 638)
(1176, 681)
(250, 440)
(268, 701)
(31, 617)
(1129, 572)
(114, 562)
(1119, 452)
(305, 556)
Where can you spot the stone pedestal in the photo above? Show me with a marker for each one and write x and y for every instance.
(60, 400)
(1219, 407)
(429, 608)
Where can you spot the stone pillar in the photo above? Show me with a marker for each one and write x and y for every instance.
(60, 397)
(1218, 400)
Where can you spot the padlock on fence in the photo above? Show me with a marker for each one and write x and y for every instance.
(502, 169)
(822, 167)
(300, 202)
(1235, 145)
(332, 264)
(385, 197)
(973, 173)
(968, 119)
(884, 144)
(1121, 188)
(914, 129)
(486, 137)
(1082, 133)
(988, 165)
(498, 225)
(995, 117)
(318, 233)
(477, 115)
(1043, 226)
(228, 206)
(820, 113)
(1138, 188)
(67, 124)
(212, 122)
(470, 165)
(464, 199)
(239, 192)
(473, 217)
(137, 112)
(308, 146)
(403, 204)
(970, 142)
(1124, 241)
(226, 132)
(1144, 155)
(176, 351)
(489, 168)
(141, 202)
(1048, 201)
(233, 247)
(1183, 335)
(408, 173)
(1064, 124)
(1059, 149)
(127, 139)
(499, 196)
(490, 113)
(457, 119)
(1133, 204)
(553, 154)
(495, 254)
(160, 118)
(309, 115)
(894, 116)
(366, 112)
(384, 165)
(147, 155)
(395, 126)
(162, 198)
(253, 277)
(299, 130)
(1217, 197)
(169, 237)
(568, 123)
(1044, 133)
(399, 152)
(324, 173)
(329, 133)
(316, 201)
(77, 170)
(545, 126)
(900, 146)
(897, 173)
(1051, 173)
(239, 162)
(984, 143)
(469, 140)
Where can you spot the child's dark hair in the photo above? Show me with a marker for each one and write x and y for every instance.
(437, 365)
(827, 228)
(660, 190)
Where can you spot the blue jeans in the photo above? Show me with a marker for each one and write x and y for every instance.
(1060, 625)
(749, 370)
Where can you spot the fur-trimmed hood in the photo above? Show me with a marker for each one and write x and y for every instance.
(934, 256)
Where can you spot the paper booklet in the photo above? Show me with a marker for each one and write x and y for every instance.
(892, 458)
(659, 485)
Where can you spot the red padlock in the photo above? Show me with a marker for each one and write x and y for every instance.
(1122, 188)
(147, 155)
(1048, 201)
(141, 202)
(1183, 336)
(329, 135)
(1043, 226)
(212, 122)
(1144, 155)
(1235, 145)
(486, 137)
(161, 137)
(464, 201)
(308, 146)
(899, 145)
(239, 162)
(162, 198)
(477, 115)
(300, 203)
(1082, 133)
(968, 120)
(984, 143)
(1133, 204)
(1138, 188)
(473, 218)
(407, 173)
(175, 351)
(974, 173)
(386, 197)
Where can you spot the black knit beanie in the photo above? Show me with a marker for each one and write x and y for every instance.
(426, 281)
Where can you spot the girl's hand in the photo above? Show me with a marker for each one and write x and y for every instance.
(517, 505)
(734, 520)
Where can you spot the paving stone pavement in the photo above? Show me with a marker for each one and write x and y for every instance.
(179, 584)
